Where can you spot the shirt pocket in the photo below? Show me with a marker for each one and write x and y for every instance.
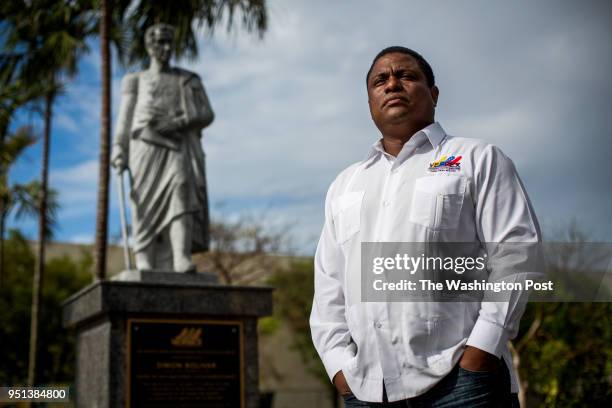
(346, 213)
(437, 201)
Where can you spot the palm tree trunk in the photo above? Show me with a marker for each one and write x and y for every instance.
(105, 130)
(37, 282)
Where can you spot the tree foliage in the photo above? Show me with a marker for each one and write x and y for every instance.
(564, 350)
(568, 360)
(46, 38)
(64, 276)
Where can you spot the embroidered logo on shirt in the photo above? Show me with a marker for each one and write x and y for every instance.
(446, 163)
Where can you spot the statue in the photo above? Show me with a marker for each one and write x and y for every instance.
(163, 110)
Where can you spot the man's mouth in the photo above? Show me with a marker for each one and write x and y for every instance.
(394, 100)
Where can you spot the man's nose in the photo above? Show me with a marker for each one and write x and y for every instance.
(393, 83)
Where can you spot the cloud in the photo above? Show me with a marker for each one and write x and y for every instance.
(83, 175)
(66, 122)
(77, 188)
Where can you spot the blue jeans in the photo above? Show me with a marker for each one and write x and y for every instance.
(460, 388)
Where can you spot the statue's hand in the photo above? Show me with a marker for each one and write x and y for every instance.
(162, 122)
(156, 115)
(169, 127)
(118, 160)
(165, 127)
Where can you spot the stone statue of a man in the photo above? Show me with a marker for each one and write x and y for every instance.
(163, 109)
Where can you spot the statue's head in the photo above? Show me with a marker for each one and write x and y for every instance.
(158, 41)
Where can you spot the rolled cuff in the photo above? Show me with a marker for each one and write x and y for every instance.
(488, 336)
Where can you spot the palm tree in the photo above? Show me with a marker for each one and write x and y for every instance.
(105, 135)
(47, 37)
(14, 94)
(21, 198)
(129, 29)
(24, 200)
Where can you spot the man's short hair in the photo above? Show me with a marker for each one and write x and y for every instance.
(157, 30)
(423, 64)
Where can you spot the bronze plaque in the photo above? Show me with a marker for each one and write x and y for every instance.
(185, 364)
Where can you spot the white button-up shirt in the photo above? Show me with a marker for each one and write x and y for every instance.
(413, 345)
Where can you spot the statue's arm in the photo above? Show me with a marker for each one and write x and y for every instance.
(121, 143)
(198, 112)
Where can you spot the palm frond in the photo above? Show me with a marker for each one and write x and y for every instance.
(15, 144)
(49, 35)
(27, 204)
(26, 198)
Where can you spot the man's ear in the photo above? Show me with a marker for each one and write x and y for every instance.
(435, 92)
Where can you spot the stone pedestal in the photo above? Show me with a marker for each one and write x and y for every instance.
(163, 339)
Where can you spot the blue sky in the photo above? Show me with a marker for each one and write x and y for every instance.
(291, 110)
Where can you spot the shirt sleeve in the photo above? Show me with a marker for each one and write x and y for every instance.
(329, 329)
(507, 224)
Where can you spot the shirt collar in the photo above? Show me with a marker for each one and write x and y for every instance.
(434, 133)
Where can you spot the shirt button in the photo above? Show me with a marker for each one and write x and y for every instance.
(394, 340)
(386, 203)
(378, 325)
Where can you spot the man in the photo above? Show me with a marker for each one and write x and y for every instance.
(162, 112)
(417, 184)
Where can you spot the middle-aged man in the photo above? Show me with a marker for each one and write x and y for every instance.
(417, 184)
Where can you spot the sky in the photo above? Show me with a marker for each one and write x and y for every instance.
(291, 109)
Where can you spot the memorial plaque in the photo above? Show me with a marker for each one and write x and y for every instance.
(185, 363)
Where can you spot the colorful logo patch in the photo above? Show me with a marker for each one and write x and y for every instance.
(446, 163)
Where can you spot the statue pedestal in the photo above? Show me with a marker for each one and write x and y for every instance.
(164, 339)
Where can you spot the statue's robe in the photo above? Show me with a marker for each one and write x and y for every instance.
(166, 171)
